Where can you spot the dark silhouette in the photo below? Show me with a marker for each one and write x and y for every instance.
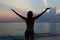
(29, 33)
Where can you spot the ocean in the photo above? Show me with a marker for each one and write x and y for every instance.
(43, 31)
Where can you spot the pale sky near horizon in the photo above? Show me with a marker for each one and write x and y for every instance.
(34, 5)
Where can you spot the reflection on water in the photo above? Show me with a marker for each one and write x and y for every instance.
(47, 27)
(53, 28)
(19, 28)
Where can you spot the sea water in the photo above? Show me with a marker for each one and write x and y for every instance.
(15, 31)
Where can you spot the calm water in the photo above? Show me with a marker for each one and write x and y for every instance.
(19, 29)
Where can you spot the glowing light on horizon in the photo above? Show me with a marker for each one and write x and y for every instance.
(45, 3)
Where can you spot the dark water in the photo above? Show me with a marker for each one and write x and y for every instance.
(38, 36)
(43, 31)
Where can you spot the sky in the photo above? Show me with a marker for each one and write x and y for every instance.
(33, 5)
(22, 6)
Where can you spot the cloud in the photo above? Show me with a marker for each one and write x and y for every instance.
(58, 10)
(20, 4)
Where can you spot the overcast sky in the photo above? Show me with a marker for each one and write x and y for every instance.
(34, 5)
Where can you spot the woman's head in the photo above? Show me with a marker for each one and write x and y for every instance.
(30, 14)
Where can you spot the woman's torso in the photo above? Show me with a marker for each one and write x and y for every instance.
(30, 24)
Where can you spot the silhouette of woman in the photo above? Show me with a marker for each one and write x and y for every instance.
(29, 33)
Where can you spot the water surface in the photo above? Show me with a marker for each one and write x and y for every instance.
(19, 29)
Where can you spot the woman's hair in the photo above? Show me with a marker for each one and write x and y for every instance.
(30, 14)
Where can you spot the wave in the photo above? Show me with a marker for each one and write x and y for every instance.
(37, 36)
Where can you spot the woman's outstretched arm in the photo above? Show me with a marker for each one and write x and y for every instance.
(18, 14)
(41, 13)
